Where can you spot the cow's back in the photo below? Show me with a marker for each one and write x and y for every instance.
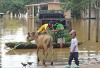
(43, 40)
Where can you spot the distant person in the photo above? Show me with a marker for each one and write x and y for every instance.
(55, 32)
(73, 49)
(60, 34)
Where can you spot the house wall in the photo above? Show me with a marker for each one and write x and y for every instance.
(31, 24)
(54, 6)
(67, 14)
(57, 6)
(30, 10)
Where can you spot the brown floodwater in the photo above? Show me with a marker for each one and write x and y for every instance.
(11, 32)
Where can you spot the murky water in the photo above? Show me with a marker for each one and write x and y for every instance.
(13, 58)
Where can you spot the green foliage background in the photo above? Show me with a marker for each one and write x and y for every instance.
(77, 6)
(66, 35)
(16, 6)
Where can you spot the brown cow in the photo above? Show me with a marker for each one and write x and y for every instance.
(44, 42)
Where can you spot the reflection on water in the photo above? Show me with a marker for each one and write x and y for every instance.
(13, 58)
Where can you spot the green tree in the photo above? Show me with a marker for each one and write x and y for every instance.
(76, 6)
(17, 6)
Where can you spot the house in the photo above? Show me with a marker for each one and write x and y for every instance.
(48, 10)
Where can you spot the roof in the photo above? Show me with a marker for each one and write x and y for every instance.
(51, 15)
(44, 3)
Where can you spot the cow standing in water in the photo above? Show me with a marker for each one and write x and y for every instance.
(43, 42)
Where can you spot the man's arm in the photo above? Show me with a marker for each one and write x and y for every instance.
(46, 30)
(55, 30)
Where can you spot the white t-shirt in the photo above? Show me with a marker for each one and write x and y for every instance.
(74, 42)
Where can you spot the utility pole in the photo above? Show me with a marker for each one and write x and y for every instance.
(97, 19)
(89, 19)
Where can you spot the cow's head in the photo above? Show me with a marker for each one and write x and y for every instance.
(34, 35)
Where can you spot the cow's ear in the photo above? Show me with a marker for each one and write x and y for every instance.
(37, 33)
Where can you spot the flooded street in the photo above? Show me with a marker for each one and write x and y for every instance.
(90, 49)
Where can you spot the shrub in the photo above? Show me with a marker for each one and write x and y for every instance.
(66, 35)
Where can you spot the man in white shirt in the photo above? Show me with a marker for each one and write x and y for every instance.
(73, 49)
